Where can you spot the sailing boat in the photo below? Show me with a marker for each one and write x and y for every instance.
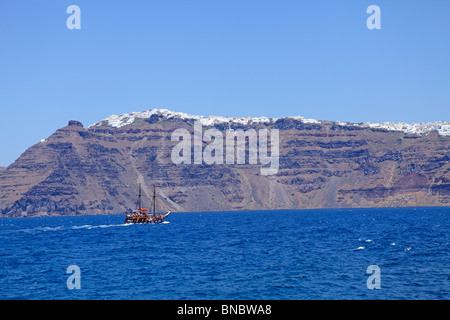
(141, 215)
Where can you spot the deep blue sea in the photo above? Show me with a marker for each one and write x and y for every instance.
(301, 254)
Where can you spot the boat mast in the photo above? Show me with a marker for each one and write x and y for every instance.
(154, 200)
(140, 197)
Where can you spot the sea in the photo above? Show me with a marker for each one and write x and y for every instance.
(389, 253)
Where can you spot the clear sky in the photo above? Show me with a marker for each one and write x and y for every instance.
(276, 58)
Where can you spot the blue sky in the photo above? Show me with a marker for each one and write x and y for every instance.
(315, 59)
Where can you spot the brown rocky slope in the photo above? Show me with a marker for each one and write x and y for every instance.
(97, 170)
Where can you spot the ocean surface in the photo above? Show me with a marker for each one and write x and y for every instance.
(301, 254)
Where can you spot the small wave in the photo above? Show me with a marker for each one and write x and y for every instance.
(112, 225)
(359, 248)
(41, 228)
(89, 227)
(51, 228)
(86, 226)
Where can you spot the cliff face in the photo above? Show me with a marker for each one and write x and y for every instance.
(321, 165)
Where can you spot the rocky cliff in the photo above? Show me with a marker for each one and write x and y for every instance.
(322, 164)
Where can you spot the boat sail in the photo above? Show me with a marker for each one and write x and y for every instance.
(141, 215)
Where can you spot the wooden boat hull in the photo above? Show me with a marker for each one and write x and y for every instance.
(145, 218)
